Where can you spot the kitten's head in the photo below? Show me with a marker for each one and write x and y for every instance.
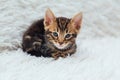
(61, 32)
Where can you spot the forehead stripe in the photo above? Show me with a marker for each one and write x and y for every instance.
(62, 23)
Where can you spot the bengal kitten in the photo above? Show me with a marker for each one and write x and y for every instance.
(51, 36)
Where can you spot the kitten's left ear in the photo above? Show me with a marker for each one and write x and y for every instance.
(77, 20)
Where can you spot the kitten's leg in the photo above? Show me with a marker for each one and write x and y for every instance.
(69, 52)
(31, 43)
(64, 55)
(72, 51)
(37, 44)
(56, 55)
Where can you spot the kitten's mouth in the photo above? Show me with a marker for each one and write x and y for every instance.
(61, 47)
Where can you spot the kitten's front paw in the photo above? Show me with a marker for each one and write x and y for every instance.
(56, 55)
(36, 45)
(63, 55)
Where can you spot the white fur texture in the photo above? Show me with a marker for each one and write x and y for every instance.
(98, 52)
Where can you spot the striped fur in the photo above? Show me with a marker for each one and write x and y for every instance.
(38, 41)
(51, 36)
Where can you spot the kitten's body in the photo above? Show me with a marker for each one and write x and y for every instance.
(39, 39)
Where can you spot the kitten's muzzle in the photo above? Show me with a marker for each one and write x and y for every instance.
(60, 43)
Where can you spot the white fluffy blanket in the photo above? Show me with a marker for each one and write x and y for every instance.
(98, 52)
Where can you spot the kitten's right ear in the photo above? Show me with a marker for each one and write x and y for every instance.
(49, 17)
(77, 20)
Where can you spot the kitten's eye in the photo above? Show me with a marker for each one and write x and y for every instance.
(55, 34)
(67, 35)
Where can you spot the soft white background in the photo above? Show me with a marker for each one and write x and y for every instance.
(98, 52)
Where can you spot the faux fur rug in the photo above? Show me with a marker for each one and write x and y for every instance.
(98, 52)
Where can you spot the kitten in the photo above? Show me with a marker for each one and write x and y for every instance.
(51, 36)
